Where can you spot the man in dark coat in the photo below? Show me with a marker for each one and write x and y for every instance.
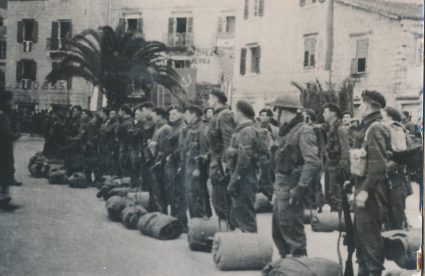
(220, 130)
(110, 130)
(369, 195)
(79, 142)
(125, 125)
(297, 164)
(7, 137)
(148, 121)
(193, 148)
(173, 168)
(337, 153)
(242, 164)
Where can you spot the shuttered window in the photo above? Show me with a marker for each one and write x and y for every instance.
(255, 59)
(27, 31)
(243, 61)
(261, 8)
(246, 10)
(26, 69)
(310, 43)
(362, 51)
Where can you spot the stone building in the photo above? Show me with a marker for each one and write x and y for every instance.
(35, 30)
(376, 43)
(3, 33)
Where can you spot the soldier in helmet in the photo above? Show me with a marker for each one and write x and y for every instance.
(220, 132)
(297, 163)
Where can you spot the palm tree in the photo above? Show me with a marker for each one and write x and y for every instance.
(117, 63)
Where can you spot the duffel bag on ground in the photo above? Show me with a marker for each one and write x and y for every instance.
(262, 204)
(130, 216)
(402, 273)
(241, 251)
(58, 176)
(328, 222)
(78, 180)
(120, 191)
(115, 205)
(160, 226)
(122, 182)
(38, 165)
(303, 266)
(201, 233)
(141, 198)
(400, 246)
(308, 215)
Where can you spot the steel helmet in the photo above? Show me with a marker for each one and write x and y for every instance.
(288, 101)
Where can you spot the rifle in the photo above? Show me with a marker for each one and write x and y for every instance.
(202, 164)
(349, 230)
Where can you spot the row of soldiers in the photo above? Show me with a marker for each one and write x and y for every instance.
(173, 153)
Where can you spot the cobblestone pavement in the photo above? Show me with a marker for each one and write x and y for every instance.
(63, 231)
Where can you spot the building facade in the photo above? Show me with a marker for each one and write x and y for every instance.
(35, 30)
(376, 44)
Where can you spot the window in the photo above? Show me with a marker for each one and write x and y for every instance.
(359, 62)
(243, 61)
(226, 24)
(134, 25)
(27, 30)
(61, 30)
(255, 59)
(180, 31)
(310, 43)
(2, 49)
(179, 63)
(257, 8)
(246, 10)
(26, 69)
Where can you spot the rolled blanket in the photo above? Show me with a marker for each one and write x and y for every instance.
(401, 246)
(159, 226)
(58, 176)
(328, 222)
(201, 233)
(262, 204)
(115, 205)
(401, 273)
(308, 214)
(78, 180)
(120, 191)
(122, 182)
(303, 266)
(130, 216)
(241, 251)
(141, 198)
(38, 165)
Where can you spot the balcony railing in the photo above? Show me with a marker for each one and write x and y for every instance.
(180, 40)
(55, 44)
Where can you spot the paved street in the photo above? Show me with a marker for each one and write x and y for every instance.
(63, 231)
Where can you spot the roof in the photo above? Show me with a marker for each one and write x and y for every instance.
(391, 9)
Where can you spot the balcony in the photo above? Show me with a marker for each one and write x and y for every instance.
(180, 40)
(55, 44)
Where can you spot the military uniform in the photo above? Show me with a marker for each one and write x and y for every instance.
(368, 220)
(174, 174)
(135, 140)
(90, 151)
(242, 164)
(110, 130)
(126, 124)
(193, 145)
(78, 143)
(70, 150)
(297, 163)
(220, 132)
(337, 162)
(148, 127)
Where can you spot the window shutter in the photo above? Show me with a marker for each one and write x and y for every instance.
(140, 25)
(306, 55)
(257, 65)
(261, 8)
(243, 61)
(362, 48)
(19, 71)
(170, 25)
(220, 25)
(33, 70)
(121, 25)
(55, 30)
(189, 24)
(35, 31)
(20, 35)
(255, 7)
(69, 36)
(246, 9)
(302, 3)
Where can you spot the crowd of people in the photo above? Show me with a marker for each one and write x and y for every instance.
(284, 153)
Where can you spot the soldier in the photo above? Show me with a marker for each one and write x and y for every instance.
(126, 123)
(135, 143)
(90, 148)
(266, 116)
(71, 130)
(148, 127)
(173, 168)
(7, 138)
(194, 148)
(297, 163)
(220, 132)
(242, 163)
(369, 194)
(337, 155)
(110, 130)
(157, 147)
(102, 146)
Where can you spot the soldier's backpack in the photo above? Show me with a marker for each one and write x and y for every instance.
(398, 137)
(262, 148)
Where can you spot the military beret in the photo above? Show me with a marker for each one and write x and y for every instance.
(375, 97)
(219, 94)
(393, 113)
(245, 108)
(196, 110)
(334, 108)
(347, 113)
(6, 96)
(126, 108)
(268, 111)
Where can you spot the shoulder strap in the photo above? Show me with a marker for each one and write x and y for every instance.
(368, 130)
